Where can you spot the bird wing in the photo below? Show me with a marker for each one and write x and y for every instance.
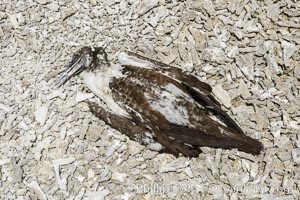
(156, 104)
(201, 92)
(128, 57)
(173, 113)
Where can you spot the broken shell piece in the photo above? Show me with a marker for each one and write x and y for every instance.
(41, 114)
(62, 182)
(222, 95)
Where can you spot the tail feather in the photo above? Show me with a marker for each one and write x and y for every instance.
(188, 139)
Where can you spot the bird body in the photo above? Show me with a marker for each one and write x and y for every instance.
(159, 106)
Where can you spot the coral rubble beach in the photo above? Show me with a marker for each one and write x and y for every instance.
(52, 147)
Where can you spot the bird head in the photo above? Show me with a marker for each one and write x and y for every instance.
(84, 59)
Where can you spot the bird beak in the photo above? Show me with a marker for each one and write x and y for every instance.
(81, 60)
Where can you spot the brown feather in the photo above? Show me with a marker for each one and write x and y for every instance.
(203, 131)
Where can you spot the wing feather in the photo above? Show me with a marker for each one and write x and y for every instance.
(182, 118)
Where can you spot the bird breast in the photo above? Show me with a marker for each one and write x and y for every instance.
(98, 83)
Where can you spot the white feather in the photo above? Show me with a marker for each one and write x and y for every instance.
(125, 59)
(166, 105)
(155, 146)
(98, 83)
(150, 142)
(175, 90)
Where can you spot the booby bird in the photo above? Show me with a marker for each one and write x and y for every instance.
(157, 105)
